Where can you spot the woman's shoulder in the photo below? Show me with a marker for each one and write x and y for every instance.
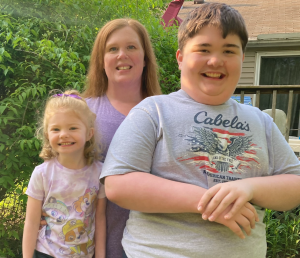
(95, 101)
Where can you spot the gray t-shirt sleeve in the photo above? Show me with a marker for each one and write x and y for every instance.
(282, 158)
(133, 145)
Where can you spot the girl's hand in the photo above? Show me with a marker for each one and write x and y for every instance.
(219, 197)
(245, 218)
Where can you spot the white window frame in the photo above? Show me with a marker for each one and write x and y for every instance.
(259, 55)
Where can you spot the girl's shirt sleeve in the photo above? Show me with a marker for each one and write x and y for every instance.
(35, 187)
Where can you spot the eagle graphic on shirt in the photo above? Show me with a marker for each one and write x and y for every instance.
(220, 151)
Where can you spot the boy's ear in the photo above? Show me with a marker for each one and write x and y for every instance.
(90, 134)
(179, 57)
(243, 57)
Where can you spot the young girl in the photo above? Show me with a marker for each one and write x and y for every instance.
(66, 186)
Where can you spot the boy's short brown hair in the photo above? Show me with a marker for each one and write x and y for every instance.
(219, 15)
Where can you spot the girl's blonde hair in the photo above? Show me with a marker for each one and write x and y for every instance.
(78, 105)
(97, 81)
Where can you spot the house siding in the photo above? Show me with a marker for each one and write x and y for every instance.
(248, 69)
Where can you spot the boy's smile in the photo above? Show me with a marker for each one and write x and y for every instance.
(210, 65)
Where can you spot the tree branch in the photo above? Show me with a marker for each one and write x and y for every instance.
(36, 54)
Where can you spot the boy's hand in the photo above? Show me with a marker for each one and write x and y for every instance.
(245, 218)
(219, 197)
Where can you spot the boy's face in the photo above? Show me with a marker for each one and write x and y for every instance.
(210, 66)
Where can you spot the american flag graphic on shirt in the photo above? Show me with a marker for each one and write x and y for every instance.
(220, 151)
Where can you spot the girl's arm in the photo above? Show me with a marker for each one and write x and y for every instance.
(31, 228)
(100, 232)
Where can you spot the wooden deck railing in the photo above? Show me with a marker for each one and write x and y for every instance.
(274, 90)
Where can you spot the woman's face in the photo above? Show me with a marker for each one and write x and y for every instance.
(124, 58)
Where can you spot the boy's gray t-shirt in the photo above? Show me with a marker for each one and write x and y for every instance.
(174, 137)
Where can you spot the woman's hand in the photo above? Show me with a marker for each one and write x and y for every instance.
(219, 197)
(43, 221)
(245, 218)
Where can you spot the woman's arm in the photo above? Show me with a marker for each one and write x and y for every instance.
(31, 228)
(100, 232)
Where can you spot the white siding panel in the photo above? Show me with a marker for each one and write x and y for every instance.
(248, 70)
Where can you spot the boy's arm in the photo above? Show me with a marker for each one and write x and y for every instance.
(31, 227)
(100, 230)
(148, 193)
(278, 192)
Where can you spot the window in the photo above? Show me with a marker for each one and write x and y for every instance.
(281, 68)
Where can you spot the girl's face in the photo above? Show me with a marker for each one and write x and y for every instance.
(124, 58)
(68, 134)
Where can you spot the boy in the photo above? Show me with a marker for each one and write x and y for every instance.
(171, 148)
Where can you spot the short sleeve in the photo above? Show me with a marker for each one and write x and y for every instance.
(282, 158)
(133, 145)
(35, 187)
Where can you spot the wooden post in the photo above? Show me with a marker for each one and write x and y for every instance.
(257, 98)
(289, 115)
(242, 96)
(274, 97)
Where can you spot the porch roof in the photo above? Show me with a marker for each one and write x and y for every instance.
(261, 16)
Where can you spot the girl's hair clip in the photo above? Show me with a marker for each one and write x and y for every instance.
(67, 95)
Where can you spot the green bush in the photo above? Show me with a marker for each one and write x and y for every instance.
(46, 45)
(283, 233)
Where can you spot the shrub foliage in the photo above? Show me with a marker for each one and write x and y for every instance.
(45, 45)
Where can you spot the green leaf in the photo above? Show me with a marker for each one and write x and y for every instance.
(15, 166)
(2, 108)
(34, 67)
(24, 95)
(82, 67)
(8, 165)
(34, 32)
(37, 144)
(8, 37)
(2, 157)
(61, 61)
(14, 110)
(7, 54)
(13, 158)
(22, 144)
(15, 42)
(2, 146)
(73, 56)
(33, 92)
(29, 144)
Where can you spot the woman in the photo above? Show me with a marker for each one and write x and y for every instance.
(122, 72)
